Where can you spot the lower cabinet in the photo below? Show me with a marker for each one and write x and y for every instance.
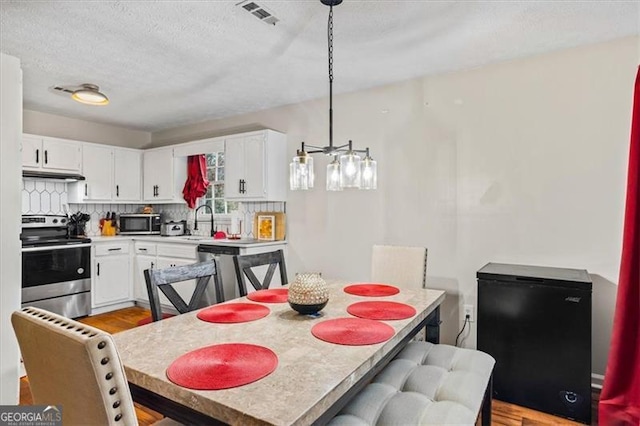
(152, 255)
(111, 274)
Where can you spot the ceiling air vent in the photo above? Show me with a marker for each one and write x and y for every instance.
(260, 12)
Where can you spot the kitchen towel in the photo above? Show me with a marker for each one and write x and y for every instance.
(222, 366)
(197, 183)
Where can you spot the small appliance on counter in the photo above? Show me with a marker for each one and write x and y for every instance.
(140, 224)
(173, 228)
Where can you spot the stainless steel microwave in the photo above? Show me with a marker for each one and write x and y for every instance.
(140, 224)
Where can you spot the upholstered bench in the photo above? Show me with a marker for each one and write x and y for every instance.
(425, 384)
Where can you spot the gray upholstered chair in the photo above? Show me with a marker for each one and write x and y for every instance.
(165, 278)
(245, 265)
(405, 267)
(402, 266)
(76, 366)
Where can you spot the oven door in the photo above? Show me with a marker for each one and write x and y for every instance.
(67, 266)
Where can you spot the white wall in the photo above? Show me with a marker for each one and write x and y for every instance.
(521, 161)
(10, 184)
(41, 123)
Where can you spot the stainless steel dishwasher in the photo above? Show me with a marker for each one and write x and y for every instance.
(227, 273)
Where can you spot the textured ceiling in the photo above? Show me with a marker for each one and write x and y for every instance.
(169, 63)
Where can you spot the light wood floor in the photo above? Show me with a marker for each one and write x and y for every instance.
(502, 414)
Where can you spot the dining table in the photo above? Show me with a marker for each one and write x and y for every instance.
(313, 379)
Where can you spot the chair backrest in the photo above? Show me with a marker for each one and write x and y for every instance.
(164, 279)
(75, 366)
(244, 268)
(403, 266)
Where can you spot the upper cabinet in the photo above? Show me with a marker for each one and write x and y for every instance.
(164, 176)
(112, 174)
(127, 165)
(97, 168)
(256, 166)
(51, 154)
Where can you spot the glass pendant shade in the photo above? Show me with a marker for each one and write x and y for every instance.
(301, 176)
(368, 174)
(333, 175)
(350, 170)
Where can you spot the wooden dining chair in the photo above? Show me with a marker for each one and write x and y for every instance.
(75, 366)
(246, 263)
(164, 279)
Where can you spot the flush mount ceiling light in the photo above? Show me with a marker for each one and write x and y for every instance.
(88, 94)
(348, 169)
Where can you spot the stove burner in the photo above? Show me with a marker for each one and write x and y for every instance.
(47, 230)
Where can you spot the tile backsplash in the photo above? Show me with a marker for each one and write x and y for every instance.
(50, 197)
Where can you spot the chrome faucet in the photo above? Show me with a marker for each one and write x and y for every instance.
(195, 222)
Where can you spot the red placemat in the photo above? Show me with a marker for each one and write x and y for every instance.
(381, 310)
(275, 295)
(234, 312)
(149, 319)
(371, 289)
(352, 331)
(222, 366)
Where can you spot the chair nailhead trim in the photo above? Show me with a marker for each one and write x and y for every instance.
(109, 376)
(104, 360)
(118, 417)
(113, 390)
(116, 404)
(102, 344)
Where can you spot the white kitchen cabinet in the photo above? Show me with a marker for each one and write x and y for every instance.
(256, 166)
(97, 168)
(111, 281)
(142, 263)
(150, 255)
(127, 167)
(112, 175)
(163, 176)
(51, 154)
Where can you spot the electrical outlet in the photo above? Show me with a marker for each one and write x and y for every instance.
(468, 310)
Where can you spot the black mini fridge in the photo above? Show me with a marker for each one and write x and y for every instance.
(536, 323)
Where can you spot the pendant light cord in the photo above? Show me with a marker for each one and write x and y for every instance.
(330, 43)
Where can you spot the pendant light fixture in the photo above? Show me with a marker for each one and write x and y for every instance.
(347, 169)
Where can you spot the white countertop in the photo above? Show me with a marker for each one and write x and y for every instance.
(188, 239)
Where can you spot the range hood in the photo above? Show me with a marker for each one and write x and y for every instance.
(67, 177)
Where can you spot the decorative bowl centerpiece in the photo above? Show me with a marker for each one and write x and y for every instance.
(308, 294)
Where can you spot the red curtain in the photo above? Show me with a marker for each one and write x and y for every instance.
(197, 183)
(620, 397)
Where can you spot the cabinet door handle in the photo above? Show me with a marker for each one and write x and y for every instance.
(98, 267)
(157, 190)
(153, 265)
(117, 190)
(240, 186)
(115, 249)
(86, 190)
(46, 157)
(37, 156)
(142, 249)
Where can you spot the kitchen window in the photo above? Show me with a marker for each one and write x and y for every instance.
(214, 197)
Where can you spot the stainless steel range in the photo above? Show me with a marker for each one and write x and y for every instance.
(56, 268)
